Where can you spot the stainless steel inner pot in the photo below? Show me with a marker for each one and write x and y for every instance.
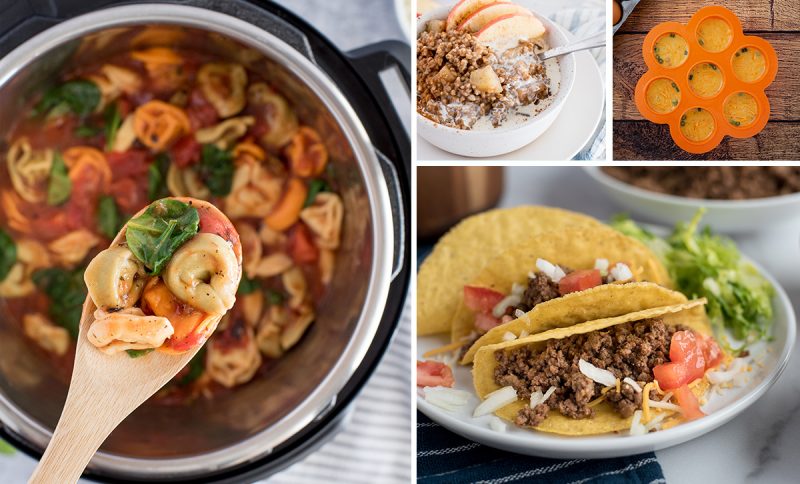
(248, 423)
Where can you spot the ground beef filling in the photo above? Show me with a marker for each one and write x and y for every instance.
(540, 289)
(712, 182)
(627, 350)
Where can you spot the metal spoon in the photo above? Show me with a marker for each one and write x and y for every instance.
(596, 40)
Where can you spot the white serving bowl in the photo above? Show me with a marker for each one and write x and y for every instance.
(502, 140)
(729, 216)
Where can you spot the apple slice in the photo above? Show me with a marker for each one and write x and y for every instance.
(464, 9)
(508, 28)
(486, 14)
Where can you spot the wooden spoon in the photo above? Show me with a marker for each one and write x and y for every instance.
(105, 389)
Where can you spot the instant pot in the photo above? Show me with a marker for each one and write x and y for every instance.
(270, 423)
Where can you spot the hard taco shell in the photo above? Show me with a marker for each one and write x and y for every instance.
(573, 247)
(601, 302)
(461, 253)
(605, 420)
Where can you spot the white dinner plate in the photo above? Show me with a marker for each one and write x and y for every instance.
(770, 357)
(570, 133)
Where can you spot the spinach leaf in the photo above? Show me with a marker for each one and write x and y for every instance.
(109, 219)
(274, 297)
(247, 285)
(196, 367)
(113, 120)
(157, 177)
(80, 97)
(86, 131)
(59, 186)
(8, 254)
(216, 170)
(156, 234)
(67, 292)
(138, 353)
(314, 188)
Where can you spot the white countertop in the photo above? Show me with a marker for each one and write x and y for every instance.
(761, 445)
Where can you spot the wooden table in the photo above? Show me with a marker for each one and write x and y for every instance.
(777, 21)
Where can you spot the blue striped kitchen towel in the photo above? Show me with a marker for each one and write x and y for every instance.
(444, 457)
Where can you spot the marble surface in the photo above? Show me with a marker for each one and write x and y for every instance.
(761, 444)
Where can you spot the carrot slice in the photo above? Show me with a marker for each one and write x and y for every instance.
(287, 212)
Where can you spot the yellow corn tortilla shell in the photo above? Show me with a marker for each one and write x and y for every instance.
(576, 248)
(461, 253)
(606, 301)
(605, 420)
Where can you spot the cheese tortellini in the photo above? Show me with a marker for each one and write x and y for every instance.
(115, 278)
(224, 134)
(233, 366)
(29, 170)
(204, 273)
(128, 329)
(224, 87)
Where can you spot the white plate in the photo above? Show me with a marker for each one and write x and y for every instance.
(729, 216)
(721, 408)
(570, 133)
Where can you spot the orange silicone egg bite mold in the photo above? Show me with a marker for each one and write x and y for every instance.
(717, 64)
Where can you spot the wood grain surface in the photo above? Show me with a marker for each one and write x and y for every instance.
(777, 21)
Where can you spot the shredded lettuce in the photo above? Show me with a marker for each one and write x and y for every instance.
(6, 448)
(702, 264)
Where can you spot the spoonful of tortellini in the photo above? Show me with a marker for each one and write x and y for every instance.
(155, 296)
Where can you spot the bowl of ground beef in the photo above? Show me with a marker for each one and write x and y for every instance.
(481, 99)
(737, 199)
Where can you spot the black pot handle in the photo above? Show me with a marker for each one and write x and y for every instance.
(369, 62)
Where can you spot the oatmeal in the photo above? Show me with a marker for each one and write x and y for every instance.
(464, 82)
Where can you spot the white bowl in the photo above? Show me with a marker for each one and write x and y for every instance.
(729, 216)
(502, 140)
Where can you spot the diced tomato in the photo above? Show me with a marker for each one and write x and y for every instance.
(301, 245)
(82, 204)
(671, 375)
(711, 351)
(130, 194)
(200, 112)
(128, 163)
(688, 402)
(485, 321)
(579, 281)
(686, 348)
(186, 151)
(481, 299)
(434, 374)
(691, 355)
(212, 224)
(124, 106)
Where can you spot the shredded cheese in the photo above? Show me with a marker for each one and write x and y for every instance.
(597, 400)
(646, 401)
(443, 349)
